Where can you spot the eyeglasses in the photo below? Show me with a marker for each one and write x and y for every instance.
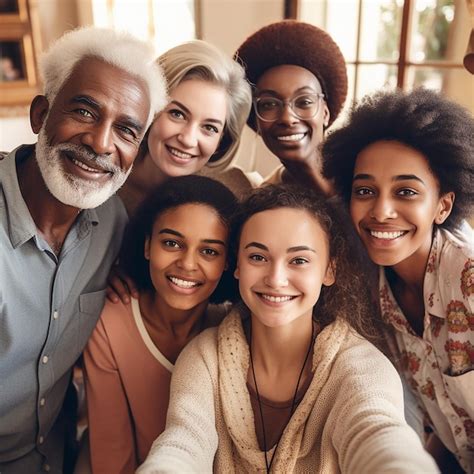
(304, 106)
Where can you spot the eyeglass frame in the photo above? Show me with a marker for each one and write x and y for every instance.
(290, 102)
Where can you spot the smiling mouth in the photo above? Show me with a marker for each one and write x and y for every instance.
(387, 235)
(82, 165)
(179, 154)
(276, 299)
(186, 284)
(296, 137)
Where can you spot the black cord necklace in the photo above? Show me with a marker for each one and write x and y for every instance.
(268, 465)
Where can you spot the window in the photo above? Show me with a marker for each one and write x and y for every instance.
(166, 23)
(390, 43)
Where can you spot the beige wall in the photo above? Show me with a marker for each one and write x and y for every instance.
(227, 23)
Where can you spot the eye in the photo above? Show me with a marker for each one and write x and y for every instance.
(176, 114)
(172, 244)
(211, 129)
(255, 257)
(84, 112)
(362, 191)
(268, 104)
(406, 192)
(304, 102)
(299, 261)
(210, 252)
(127, 131)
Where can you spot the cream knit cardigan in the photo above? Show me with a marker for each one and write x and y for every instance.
(350, 419)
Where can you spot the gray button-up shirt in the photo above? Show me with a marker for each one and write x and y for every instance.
(48, 308)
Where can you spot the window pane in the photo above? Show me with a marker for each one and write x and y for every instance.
(380, 31)
(349, 99)
(457, 84)
(437, 31)
(338, 18)
(374, 77)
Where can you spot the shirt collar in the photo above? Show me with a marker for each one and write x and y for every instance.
(21, 226)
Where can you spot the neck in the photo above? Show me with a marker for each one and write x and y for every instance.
(411, 271)
(53, 219)
(277, 350)
(309, 174)
(144, 177)
(181, 324)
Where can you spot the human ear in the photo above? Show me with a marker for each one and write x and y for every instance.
(330, 275)
(38, 112)
(326, 116)
(146, 250)
(445, 206)
(237, 272)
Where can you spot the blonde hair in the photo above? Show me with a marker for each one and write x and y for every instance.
(200, 60)
(119, 48)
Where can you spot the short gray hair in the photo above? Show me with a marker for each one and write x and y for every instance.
(201, 60)
(118, 48)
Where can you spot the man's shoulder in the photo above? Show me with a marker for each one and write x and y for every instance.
(114, 204)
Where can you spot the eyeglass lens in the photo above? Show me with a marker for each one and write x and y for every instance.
(303, 106)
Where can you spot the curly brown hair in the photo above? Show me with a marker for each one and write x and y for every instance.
(349, 297)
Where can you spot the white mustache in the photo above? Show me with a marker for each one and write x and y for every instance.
(85, 155)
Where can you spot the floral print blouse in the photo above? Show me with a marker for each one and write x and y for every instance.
(439, 366)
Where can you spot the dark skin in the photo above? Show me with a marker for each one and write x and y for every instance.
(101, 108)
(301, 157)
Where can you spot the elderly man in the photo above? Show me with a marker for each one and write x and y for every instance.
(59, 232)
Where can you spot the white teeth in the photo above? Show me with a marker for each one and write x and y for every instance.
(180, 154)
(386, 235)
(277, 299)
(291, 138)
(85, 167)
(183, 283)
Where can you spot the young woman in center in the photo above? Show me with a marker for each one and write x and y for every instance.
(285, 383)
(209, 101)
(175, 249)
(300, 84)
(404, 163)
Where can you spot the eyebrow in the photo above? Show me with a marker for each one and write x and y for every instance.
(298, 248)
(212, 120)
(400, 177)
(179, 234)
(300, 89)
(126, 120)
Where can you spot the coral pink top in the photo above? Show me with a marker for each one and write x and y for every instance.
(127, 386)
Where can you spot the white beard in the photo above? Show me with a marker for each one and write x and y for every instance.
(70, 189)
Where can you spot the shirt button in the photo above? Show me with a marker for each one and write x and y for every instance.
(47, 467)
(55, 315)
(42, 402)
(45, 359)
(40, 440)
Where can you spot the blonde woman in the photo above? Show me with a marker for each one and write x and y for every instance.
(209, 101)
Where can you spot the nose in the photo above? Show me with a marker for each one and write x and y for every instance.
(277, 276)
(287, 115)
(188, 261)
(100, 139)
(383, 208)
(188, 136)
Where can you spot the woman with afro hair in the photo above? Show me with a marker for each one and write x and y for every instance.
(300, 83)
(404, 164)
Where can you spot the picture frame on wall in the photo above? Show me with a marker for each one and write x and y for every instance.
(18, 74)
